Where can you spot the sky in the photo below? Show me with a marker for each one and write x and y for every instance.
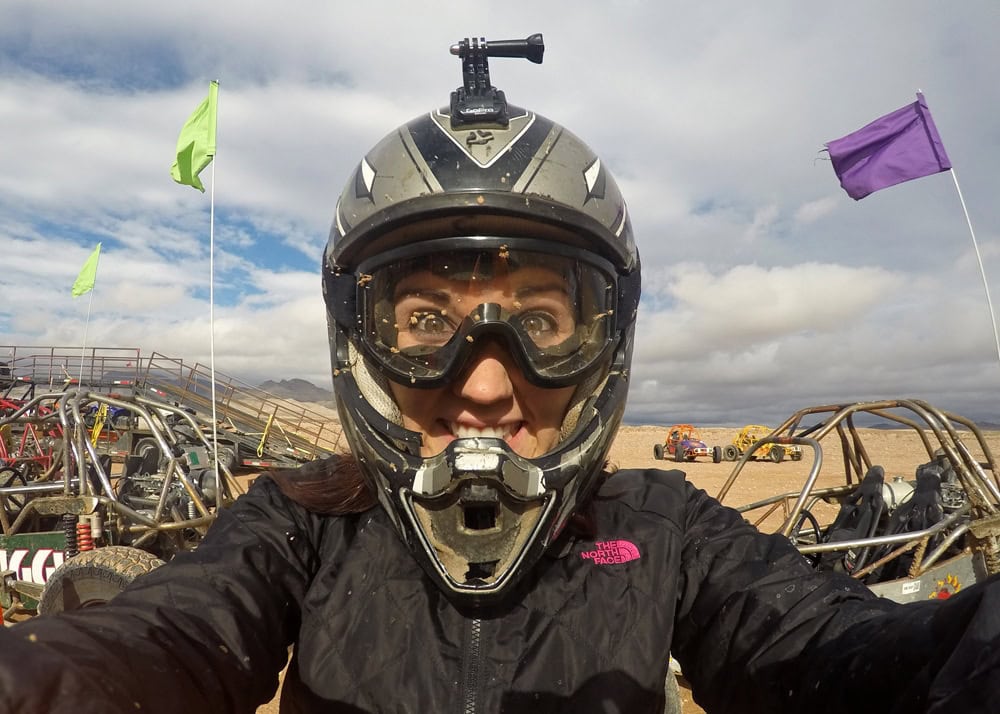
(766, 289)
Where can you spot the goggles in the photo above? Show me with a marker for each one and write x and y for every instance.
(422, 310)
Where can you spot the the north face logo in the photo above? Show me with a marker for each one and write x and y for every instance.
(612, 551)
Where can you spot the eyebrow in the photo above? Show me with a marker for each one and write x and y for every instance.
(441, 297)
(555, 287)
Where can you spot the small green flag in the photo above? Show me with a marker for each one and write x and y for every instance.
(88, 274)
(196, 144)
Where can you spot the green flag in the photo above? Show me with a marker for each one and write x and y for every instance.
(196, 144)
(88, 274)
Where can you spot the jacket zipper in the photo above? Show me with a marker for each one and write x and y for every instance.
(471, 667)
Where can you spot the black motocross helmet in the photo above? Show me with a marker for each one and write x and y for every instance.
(480, 183)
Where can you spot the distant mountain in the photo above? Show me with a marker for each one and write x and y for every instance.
(982, 425)
(300, 390)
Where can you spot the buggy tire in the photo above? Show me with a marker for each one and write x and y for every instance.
(716, 454)
(658, 452)
(730, 453)
(146, 448)
(679, 454)
(147, 443)
(228, 457)
(776, 454)
(94, 577)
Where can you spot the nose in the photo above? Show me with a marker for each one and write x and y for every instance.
(486, 378)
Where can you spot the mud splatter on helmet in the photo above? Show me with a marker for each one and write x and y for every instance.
(464, 191)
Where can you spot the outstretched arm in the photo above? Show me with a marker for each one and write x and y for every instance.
(208, 631)
(758, 630)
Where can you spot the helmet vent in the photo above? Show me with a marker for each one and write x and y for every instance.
(480, 518)
(480, 507)
(481, 572)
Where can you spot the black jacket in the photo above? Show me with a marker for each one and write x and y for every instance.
(755, 629)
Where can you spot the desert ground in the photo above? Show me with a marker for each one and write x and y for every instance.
(898, 451)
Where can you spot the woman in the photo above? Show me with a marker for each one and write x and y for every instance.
(474, 552)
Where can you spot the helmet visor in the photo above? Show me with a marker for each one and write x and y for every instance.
(422, 315)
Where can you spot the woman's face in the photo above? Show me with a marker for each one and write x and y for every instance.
(491, 397)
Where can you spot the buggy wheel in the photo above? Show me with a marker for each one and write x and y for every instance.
(658, 452)
(151, 453)
(679, 453)
(777, 454)
(94, 577)
(730, 453)
(227, 456)
(716, 454)
(145, 444)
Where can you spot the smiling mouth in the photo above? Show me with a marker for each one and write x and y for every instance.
(501, 431)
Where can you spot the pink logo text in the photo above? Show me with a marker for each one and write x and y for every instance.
(611, 551)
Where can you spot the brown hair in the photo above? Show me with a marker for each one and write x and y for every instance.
(333, 486)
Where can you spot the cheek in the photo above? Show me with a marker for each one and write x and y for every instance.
(408, 401)
(552, 405)
(419, 408)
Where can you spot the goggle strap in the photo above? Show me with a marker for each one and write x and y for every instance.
(628, 296)
(340, 291)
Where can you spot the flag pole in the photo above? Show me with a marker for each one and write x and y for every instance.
(982, 270)
(86, 324)
(83, 349)
(211, 308)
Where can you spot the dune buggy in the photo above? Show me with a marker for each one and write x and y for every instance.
(747, 441)
(908, 533)
(74, 534)
(683, 443)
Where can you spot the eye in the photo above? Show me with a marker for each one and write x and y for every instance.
(430, 327)
(541, 327)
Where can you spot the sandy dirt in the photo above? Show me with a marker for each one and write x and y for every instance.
(898, 451)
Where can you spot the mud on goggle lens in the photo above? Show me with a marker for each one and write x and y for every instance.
(422, 316)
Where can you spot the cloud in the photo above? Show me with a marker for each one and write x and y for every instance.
(749, 304)
(812, 211)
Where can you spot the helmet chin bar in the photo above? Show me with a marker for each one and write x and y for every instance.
(474, 508)
(476, 534)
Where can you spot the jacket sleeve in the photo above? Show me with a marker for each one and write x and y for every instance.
(207, 632)
(758, 630)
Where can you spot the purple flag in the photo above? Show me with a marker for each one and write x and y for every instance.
(900, 146)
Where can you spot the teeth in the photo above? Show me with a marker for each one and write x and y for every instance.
(493, 432)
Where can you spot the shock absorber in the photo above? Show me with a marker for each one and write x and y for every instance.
(69, 528)
(84, 538)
